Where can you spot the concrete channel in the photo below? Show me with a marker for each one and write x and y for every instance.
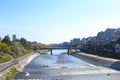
(66, 67)
(99, 61)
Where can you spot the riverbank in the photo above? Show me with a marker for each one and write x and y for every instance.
(99, 61)
(18, 63)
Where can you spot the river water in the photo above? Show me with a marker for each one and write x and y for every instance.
(65, 67)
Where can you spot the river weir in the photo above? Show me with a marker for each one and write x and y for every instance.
(61, 66)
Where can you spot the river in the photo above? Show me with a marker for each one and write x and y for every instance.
(65, 67)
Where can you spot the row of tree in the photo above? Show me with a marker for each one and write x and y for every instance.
(106, 50)
(18, 47)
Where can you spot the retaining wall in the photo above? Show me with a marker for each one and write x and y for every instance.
(100, 61)
(19, 64)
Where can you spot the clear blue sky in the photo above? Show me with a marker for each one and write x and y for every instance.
(55, 21)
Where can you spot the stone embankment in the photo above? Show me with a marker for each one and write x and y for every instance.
(18, 63)
(99, 61)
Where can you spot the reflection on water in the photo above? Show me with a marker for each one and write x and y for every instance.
(57, 52)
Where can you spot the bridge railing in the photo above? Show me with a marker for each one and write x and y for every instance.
(57, 48)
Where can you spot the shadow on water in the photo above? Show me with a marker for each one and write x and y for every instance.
(116, 65)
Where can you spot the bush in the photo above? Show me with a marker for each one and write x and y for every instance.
(4, 48)
(18, 49)
(4, 58)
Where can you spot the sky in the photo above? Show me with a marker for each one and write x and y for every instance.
(56, 21)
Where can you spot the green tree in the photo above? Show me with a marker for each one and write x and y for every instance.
(4, 48)
(6, 40)
(24, 42)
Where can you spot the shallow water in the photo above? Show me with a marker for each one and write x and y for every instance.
(63, 66)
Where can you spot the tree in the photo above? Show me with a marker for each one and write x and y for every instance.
(78, 45)
(30, 45)
(118, 41)
(24, 42)
(6, 40)
(36, 47)
(4, 48)
(18, 49)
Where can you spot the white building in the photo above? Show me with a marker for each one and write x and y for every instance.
(14, 38)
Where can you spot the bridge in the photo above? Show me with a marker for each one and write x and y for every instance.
(58, 48)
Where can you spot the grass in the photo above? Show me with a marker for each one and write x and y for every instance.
(10, 75)
(4, 58)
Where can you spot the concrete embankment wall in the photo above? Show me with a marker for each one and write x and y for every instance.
(19, 64)
(100, 61)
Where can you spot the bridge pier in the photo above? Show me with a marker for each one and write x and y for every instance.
(68, 51)
(51, 51)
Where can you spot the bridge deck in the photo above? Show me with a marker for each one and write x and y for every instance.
(61, 48)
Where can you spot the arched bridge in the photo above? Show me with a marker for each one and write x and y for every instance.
(58, 48)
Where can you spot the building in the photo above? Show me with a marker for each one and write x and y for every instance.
(74, 42)
(116, 36)
(101, 37)
(85, 42)
(106, 37)
(14, 38)
(66, 44)
(54, 45)
(108, 34)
